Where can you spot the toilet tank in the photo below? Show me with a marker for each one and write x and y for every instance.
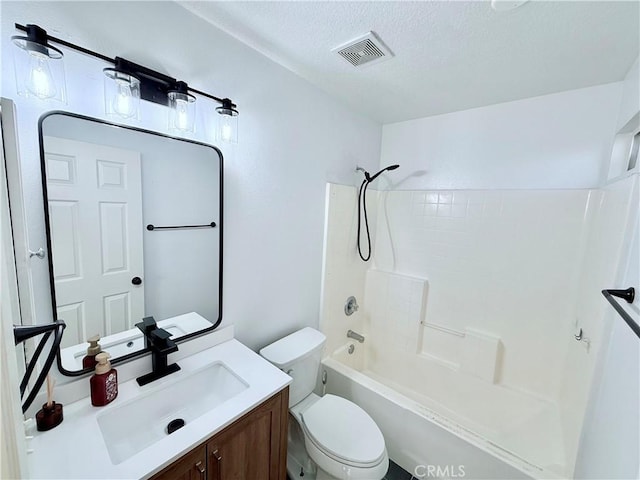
(298, 355)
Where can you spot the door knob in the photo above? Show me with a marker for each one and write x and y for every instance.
(136, 281)
(38, 253)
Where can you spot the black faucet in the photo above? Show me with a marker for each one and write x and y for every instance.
(158, 341)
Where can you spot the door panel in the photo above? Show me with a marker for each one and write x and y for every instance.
(113, 230)
(64, 239)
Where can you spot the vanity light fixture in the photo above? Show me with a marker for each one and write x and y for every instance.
(126, 83)
(38, 65)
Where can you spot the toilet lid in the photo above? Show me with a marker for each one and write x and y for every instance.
(343, 430)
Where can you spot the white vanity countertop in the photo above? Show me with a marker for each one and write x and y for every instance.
(76, 448)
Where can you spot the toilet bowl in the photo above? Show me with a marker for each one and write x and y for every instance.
(340, 438)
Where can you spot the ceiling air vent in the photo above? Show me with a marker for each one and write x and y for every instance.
(365, 50)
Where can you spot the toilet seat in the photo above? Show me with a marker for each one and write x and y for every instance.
(343, 431)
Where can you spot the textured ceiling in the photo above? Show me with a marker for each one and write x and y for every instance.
(449, 56)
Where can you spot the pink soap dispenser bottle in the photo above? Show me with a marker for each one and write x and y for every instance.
(104, 383)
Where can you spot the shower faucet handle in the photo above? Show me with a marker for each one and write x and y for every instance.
(351, 306)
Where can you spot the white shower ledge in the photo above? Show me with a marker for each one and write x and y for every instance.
(77, 449)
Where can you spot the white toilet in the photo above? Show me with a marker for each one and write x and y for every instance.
(341, 440)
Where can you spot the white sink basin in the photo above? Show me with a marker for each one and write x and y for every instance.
(133, 426)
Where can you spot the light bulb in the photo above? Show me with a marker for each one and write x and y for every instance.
(225, 133)
(124, 103)
(182, 113)
(40, 80)
(182, 116)
(228, 128)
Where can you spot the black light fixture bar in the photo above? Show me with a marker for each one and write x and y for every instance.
(64, 43)
(212, 97)
(155, 86)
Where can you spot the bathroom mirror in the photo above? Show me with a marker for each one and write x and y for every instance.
(134, 229)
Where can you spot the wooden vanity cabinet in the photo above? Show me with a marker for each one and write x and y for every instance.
(191, 466)
(254, 447)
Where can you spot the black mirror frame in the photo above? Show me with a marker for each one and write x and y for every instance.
(45, 199)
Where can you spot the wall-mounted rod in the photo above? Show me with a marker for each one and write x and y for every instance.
(152, 227)
(629, 296)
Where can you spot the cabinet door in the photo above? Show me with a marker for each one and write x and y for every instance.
(190, 467)
(254, 447)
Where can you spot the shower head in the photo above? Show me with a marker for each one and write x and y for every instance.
(371, 178)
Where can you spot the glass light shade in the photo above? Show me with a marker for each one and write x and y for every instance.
(227, 121)
(182, 112)
(39, 70)
(40, 81)
(228, 128)
(121, 94)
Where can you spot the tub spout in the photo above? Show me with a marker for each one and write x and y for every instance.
(355, 336)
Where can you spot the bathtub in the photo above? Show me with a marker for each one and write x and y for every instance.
(484, 432)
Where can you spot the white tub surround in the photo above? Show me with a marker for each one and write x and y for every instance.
(77, 449)
(469, 310)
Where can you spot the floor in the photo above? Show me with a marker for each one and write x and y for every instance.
(396, 472)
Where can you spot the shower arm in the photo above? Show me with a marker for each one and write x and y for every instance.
(370, 178)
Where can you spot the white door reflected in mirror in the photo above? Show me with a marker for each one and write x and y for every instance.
(95, 212)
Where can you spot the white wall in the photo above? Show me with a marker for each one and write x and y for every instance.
(630, 103)
(603, 250)
(610, 441)
(553, 141)
(12, 441)
(293, 138)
